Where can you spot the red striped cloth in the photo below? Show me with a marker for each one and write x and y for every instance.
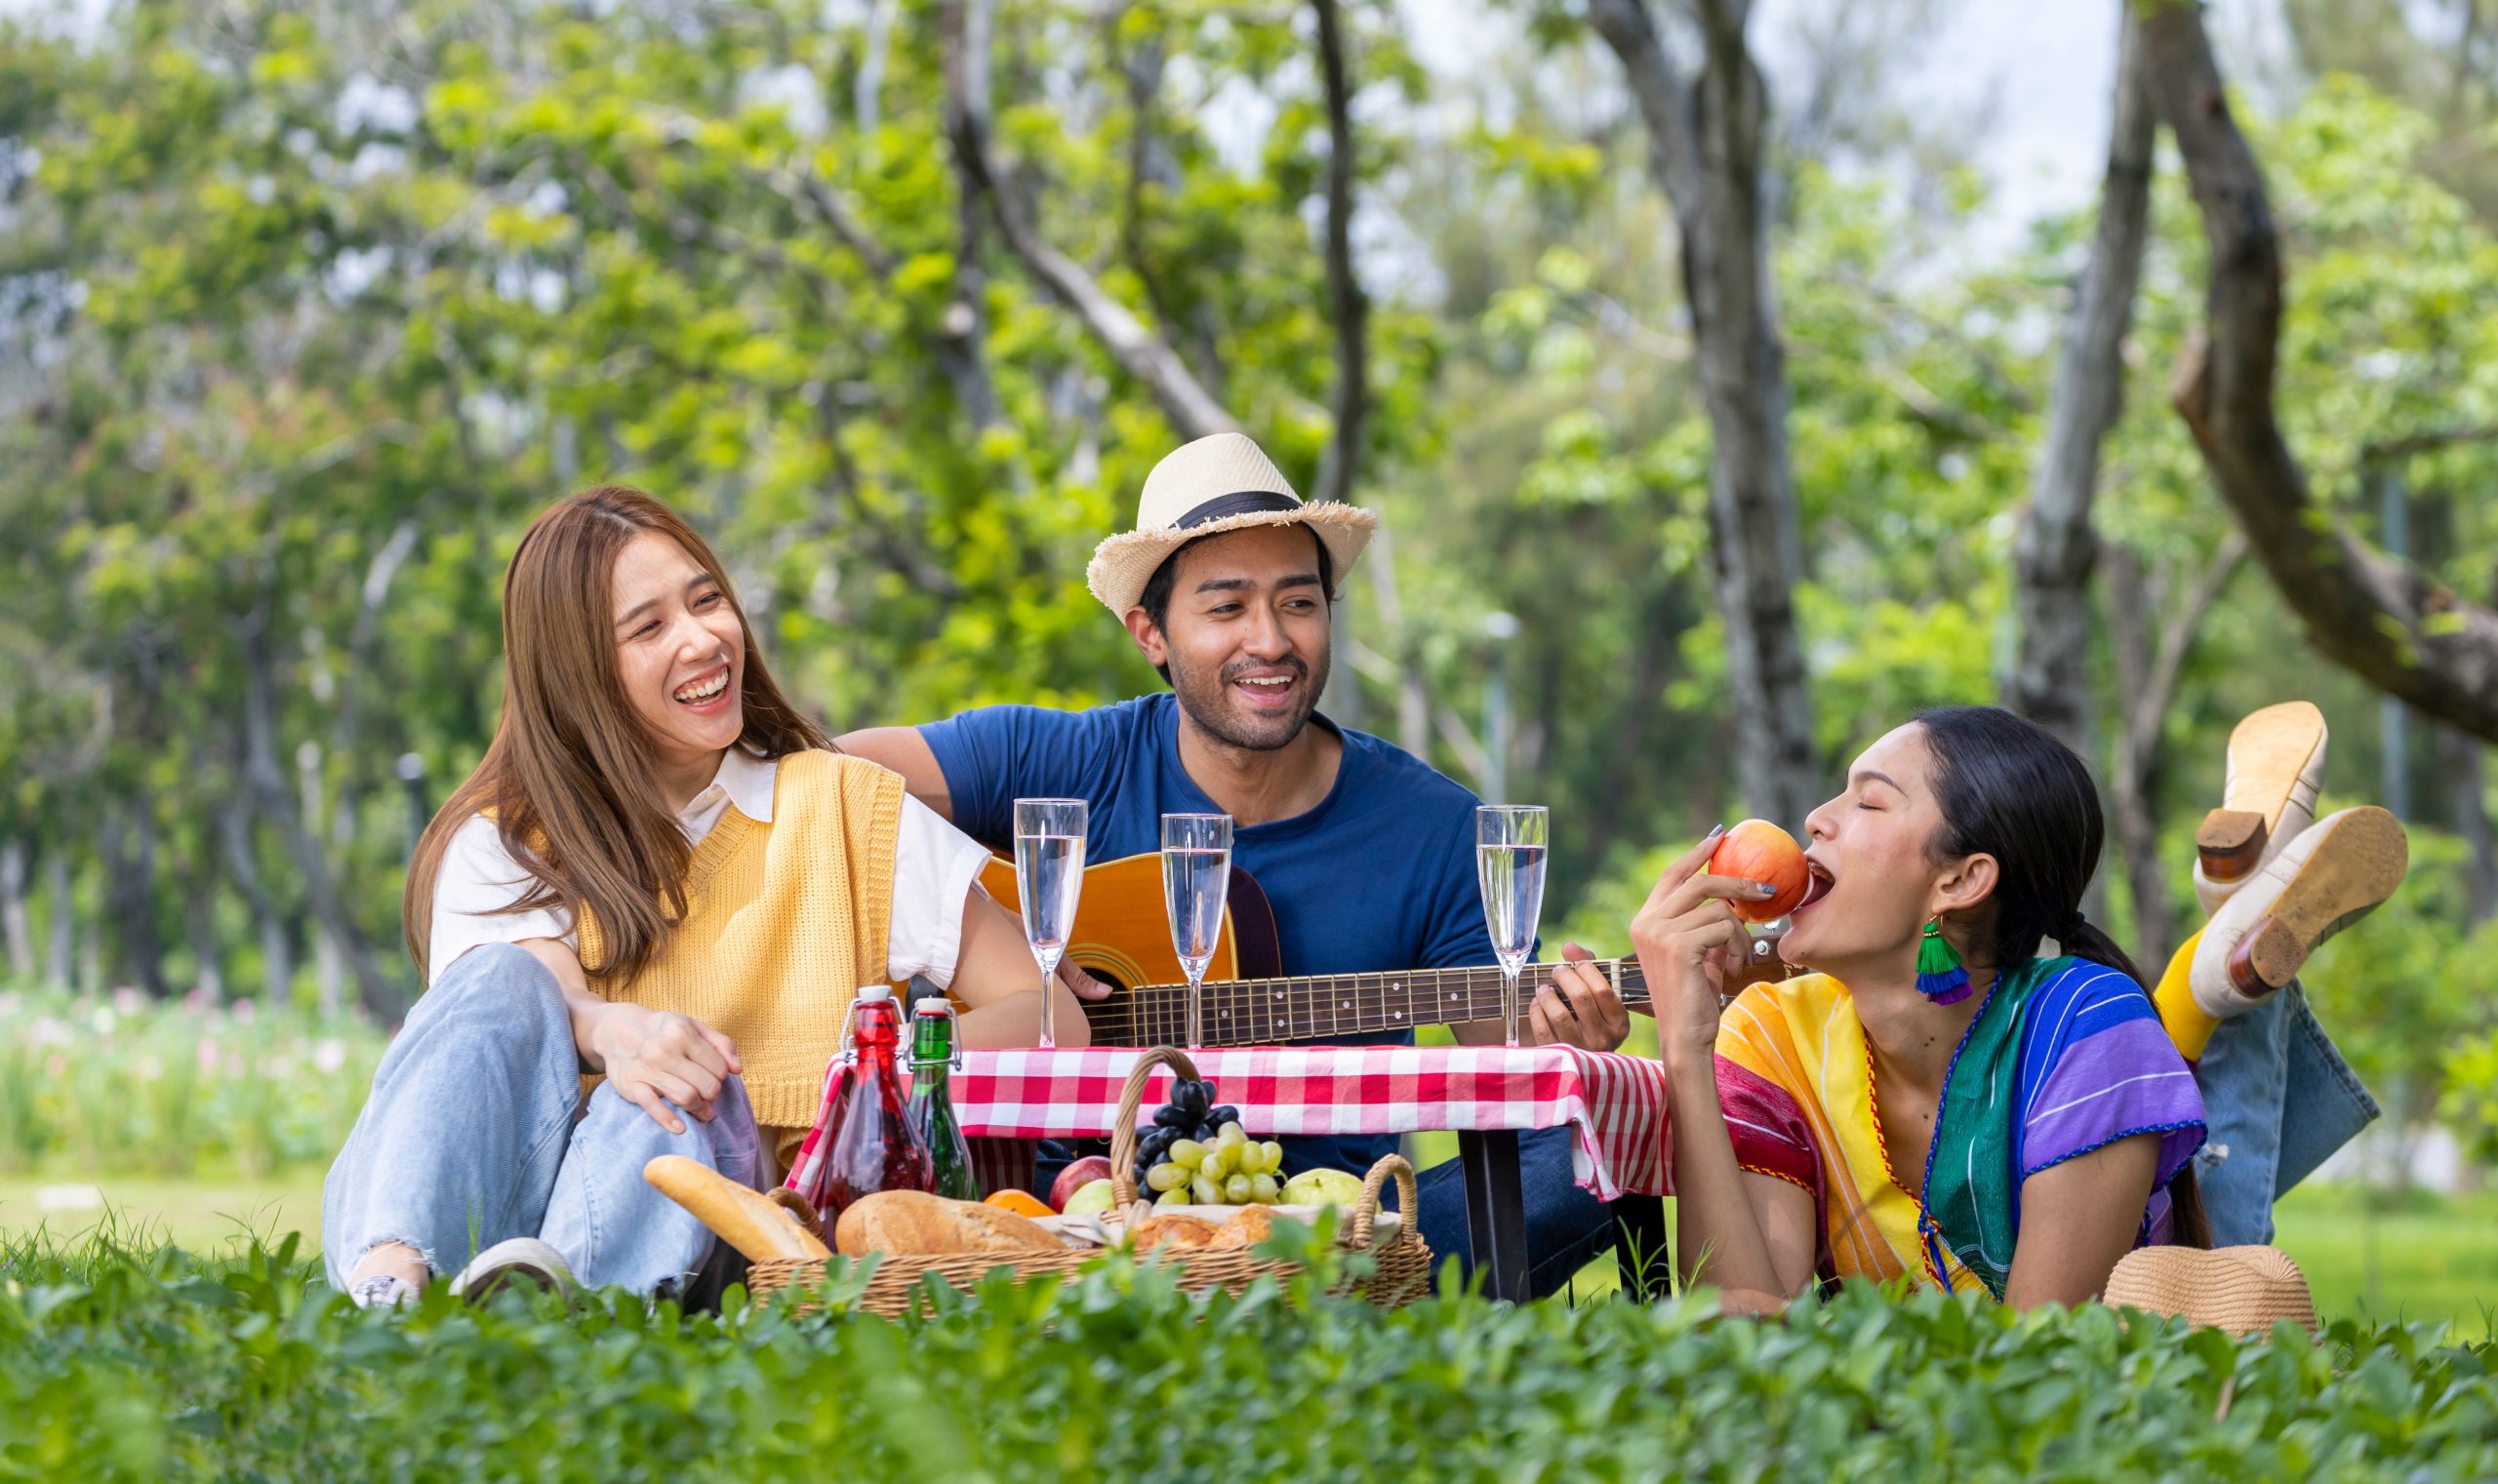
(1614, 1105)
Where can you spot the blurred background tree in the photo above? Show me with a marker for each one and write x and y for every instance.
(305, 309)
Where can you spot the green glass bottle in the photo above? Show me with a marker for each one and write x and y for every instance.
(932, 1111)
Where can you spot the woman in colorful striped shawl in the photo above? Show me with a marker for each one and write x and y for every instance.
(2018, 1139)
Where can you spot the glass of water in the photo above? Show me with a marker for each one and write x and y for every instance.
(1510, 841)
(1196, 876)
(1049, 876)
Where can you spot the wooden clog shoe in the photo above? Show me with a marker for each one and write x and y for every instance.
(2337, 872)
(2268, 797)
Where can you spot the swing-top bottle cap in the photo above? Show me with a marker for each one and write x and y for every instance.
(872, 992)
(934, 1004)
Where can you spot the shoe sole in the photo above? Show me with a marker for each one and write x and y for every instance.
(2353, 871)
(2267, 751)
(528, 1276)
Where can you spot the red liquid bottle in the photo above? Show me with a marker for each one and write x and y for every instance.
(868, 1142)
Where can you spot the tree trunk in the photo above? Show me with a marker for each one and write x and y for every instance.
(1340, 466)
(61, 918)
(277, 951)
(2057, 549)
(2138, 765)
(1705, 138)
(137, 954)
(328, 969)
(200, 913)
(269, 788)
(2384, 620)
(15, 925)
(964, 27)
(2464, 755)
(2147, 678)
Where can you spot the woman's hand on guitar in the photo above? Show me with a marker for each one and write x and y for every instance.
(651, 1055)
(1579, 1007)
(1686, 938)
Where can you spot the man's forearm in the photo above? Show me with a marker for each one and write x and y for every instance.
(906, 752)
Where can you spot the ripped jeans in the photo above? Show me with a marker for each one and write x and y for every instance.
(476, 1132)
(2277, 1098)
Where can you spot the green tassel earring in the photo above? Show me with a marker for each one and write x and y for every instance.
(1941, 977)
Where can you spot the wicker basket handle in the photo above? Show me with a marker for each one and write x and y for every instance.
(796, 1205)
(1123, 1123)
(1408, 1200)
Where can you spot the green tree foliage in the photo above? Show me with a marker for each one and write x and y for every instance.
(305, 309)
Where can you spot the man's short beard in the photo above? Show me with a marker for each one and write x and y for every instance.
(1204, 703)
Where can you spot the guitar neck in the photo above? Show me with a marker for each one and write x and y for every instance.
(1326, 1007)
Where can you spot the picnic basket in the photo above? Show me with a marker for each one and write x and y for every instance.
(1401, 1263)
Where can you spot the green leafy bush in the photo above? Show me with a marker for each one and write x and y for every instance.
(122, 1365)
(123, 1084)
(2471, 1101)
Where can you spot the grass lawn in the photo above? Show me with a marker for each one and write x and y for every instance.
(2389, 1258)
(206, 1216)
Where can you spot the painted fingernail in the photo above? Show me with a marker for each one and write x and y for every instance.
(1763, 889)
(1714, 832)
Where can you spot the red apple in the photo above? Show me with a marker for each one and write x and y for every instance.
(1077, 1176)
(1758, 851)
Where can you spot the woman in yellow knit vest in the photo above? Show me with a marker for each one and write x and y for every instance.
(660, 876)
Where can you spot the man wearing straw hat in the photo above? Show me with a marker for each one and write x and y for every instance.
(1365, 852)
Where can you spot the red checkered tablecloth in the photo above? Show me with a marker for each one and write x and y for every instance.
(1615, 1105)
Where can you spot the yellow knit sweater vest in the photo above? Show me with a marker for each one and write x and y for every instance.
(782, 923)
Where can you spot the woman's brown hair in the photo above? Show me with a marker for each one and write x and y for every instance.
(570, 773)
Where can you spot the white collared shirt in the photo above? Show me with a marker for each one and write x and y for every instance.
(934, 868)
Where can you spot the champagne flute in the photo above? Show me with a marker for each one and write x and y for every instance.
(1049, 876)
(1510, 841)
(1196, 876)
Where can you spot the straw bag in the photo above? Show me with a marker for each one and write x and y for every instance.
(1401, 1263)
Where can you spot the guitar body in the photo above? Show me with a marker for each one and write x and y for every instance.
(1124, 930)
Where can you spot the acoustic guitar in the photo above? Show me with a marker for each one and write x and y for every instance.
(1122, 937)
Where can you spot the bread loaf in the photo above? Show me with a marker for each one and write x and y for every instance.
(1170, 1230)
(1251, 1225)
(915, 1224)
(746, 1220)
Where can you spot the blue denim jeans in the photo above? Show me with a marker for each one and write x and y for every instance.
(1566, 1227)
(476, 1132)
(2278, 1099)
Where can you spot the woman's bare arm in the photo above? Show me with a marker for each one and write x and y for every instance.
(2078, 1219)
(646, 1054)
(1732, 1228)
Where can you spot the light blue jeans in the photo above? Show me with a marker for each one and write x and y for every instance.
(2277, 1098)
(476, 1132)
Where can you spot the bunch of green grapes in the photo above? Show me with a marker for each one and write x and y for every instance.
(1231, 1169)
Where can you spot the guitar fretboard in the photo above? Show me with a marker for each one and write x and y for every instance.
(1267, 1011)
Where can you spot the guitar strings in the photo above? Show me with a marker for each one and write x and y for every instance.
(1247, 1012)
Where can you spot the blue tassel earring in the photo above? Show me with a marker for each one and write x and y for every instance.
(1941, 977)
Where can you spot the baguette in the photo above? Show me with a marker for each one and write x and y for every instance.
(915, 1224)
(745, 1220)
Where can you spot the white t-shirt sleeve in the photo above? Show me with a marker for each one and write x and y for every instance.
(477, 877)
(934, 868)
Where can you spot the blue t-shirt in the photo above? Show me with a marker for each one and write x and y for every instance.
(1378, 877)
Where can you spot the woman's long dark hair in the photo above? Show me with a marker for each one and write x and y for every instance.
(2009, 789)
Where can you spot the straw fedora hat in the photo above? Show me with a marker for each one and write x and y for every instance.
(1216, 484)
(2244, 1290)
